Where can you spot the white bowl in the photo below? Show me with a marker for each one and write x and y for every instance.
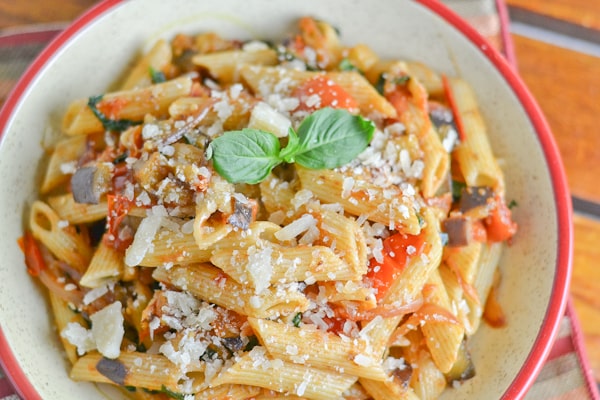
(86, 58)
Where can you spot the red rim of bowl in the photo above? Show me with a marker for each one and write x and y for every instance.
(558, 300)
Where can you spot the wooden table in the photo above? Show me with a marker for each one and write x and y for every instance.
(566, 84)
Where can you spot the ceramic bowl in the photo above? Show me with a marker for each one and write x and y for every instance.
(92, 52)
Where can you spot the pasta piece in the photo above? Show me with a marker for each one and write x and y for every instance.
(229, 392)
(437, 163)
(264, 263)
(342, 291)
(224, 65)
(63, 161)
(258, 369)
(474, 154)
(217, 197)
(63, 241)
(277, 196)
(427, 381)
(464, 261)
(106, 265)
(233, 113)
(131, 105)
(348, 239)
(488, 264)
(371, 103)
(431, 80)
(77, 213)
(408, 286)
(64, 315)
(388, 390)
(268, 80)
(211, 284)
(156, 59)
(362, 57)
(143, 370)
(442, 332)
(386, 206)
(305, 346)
(179, 247)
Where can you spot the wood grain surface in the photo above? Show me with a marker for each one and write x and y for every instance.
(22, 12)
(584, 13)
(585, 285)
(567, 87)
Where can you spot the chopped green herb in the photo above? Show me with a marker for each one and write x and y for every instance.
(380, 84)
(346, 65)
(171, 394)
(401, 80)
(297, 319)
(513, 203)
(130, 388)
(326, 139)
(157, 76)
(457, 188)
(420, 219)
(109, 124)
(120, 158)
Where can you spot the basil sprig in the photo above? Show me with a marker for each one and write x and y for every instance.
(326, 139)
(109, 124)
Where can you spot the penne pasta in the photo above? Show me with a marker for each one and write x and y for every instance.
(274, 374)
(132, 105)
(291, 220)
(157, 59)
(224, 65)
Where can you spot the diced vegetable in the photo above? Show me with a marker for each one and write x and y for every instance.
(320, 92)
(398, 249)
(499, 223)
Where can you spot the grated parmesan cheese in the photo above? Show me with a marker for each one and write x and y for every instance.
(108, 330)
(296, 227)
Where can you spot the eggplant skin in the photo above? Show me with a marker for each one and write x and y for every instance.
(82, 185)
(463, 368)
(113, 370)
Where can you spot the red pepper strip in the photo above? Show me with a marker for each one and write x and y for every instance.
(452, 102)
(499, 224)
(118, 208)
(33, 255)
(329, 93)
(398, 249)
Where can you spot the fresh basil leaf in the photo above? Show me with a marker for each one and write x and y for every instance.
(288, 152)
(109, 124)
(246, 156)
(157, 76)
(330, 138)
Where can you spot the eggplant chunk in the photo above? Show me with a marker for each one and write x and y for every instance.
(474, 201)
(459, 231)
(463, 369)
(89, 183)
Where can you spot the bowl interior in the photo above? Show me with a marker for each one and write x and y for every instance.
(97, 54)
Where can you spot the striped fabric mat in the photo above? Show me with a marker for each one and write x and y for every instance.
(566, 374)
